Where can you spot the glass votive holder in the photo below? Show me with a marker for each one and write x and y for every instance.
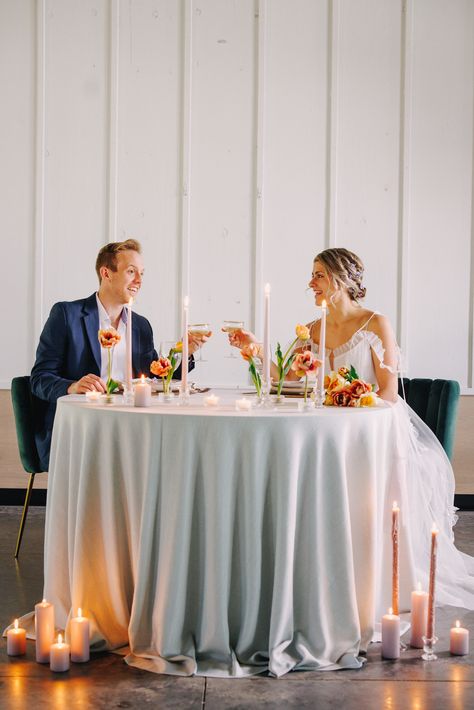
(428, 646)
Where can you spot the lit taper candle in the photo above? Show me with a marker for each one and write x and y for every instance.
(322, 349)
(184, 361)
(267, 355)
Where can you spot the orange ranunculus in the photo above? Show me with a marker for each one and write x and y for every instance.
(305, 363)
(250, 351)
(161, 367)
(343, 371)
(302, 332)
(108, 337)
(357, 388)
(341, 398)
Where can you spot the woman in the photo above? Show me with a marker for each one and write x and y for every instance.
(424, 479)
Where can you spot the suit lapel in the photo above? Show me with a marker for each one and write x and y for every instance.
(91, 323)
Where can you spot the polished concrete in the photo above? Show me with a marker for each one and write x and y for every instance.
(107, 682)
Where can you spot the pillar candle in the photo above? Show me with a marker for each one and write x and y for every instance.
(129, 371)
(267, 355)
(322, 349)
(142, 393)
(211, 401)
(430, 624)
(16, 641)
(184, 362)
(390, 635)
(80, 645)
(395, 565)
(44, 628)
(59, 656)
(459, 640)
(419, 608)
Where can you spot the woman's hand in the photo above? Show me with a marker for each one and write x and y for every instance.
(197, 340)
(239, 338)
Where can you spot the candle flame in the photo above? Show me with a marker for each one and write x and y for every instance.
(434, 529)
(418, 586)
(390, 611)
(458, 624)
(44, 601)
(186, 301)
(324, 304)
(79, 613)
(395, 505)
(16, 623)
(60, 638)
(142, 379)
(267, 289)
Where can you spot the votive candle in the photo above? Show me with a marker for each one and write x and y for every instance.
(59, 656)
(459, 640)
(16, 640)
(80, 644)
(211, 401)
(142, 393)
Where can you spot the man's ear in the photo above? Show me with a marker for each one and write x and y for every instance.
(104, 273)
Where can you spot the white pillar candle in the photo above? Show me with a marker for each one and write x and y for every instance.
(390, 635)
(243, 404)
(142, 393)
(44, 630)
(16, 641)
(430, 624)
(395, 565)
(128, 365)
(459, 640)
(419, 608)
(59, 656)
(211, 401)
(322, 349)
(267, 354)
(184, 361)
(80, 644)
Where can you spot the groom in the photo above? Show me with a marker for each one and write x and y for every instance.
(69, 358)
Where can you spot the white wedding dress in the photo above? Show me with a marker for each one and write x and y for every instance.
(425, 481)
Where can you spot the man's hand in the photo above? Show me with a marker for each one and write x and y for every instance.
(197, 340)
(88, 383)
(240, 338)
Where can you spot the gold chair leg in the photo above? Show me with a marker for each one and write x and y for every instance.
(25, 513)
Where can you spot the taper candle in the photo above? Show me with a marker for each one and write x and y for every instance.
(129, 371)
(267, 355)
(322, 349)
(184, 361)
(395, 564)
(430, 624)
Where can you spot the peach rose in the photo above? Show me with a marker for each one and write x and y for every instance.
(357, 388)
(161, 367)
(335, 382)
(305, 363)
(108, 337)
(250, 350)
(302, 332)
(341, 398)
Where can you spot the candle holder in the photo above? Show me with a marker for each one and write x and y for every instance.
(128, 396)
(428, 645)
(265, 399)
(166, 397)
(184, 396)
(317, 396)
(307, 406)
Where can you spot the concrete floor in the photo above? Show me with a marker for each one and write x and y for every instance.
(107, 682)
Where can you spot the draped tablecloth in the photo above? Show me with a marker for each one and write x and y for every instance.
(219, 542)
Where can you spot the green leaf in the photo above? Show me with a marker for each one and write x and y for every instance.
(279, 356)
(288, 364)
(112, 385)
(353, 374)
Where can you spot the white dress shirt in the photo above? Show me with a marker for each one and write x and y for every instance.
(119, 351)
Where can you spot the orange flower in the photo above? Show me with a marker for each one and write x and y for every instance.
(343, 371)
(161, 367)
(108, 337)
(358, 388)
(250, 351)
(305, 363)
(342, 398)
(178, 348)
(369, 400)
(302, 332)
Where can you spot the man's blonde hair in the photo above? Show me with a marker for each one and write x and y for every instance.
(108, 254)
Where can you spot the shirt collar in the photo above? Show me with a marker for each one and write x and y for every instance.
(104, 316)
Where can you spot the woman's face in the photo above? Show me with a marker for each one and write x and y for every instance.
(320, 283)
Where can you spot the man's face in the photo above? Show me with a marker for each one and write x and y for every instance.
(125, 282)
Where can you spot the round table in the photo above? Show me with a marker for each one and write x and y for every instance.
(219, 542)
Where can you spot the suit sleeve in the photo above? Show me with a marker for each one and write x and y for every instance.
(46, 376)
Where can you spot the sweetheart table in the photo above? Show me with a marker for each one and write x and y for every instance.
(218, 542)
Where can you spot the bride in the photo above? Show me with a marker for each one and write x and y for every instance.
(364, 339)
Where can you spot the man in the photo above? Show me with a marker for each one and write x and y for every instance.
(69, 359)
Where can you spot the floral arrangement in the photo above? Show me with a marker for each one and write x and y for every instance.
(344, 388)
(285, 361)
(249, 353)
(304, 364)
(165, 367)
(108, 339)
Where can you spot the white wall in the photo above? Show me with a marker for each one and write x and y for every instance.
(235, 139)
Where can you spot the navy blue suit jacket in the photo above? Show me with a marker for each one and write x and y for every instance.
(69, 349)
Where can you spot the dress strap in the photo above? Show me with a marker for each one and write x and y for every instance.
(363, 327)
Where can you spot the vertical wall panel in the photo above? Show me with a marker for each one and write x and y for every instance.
(295, 178)
(441, 188)
(367, 147)
(149, 136)
(222, 147)
(17, 130)
(75, 220)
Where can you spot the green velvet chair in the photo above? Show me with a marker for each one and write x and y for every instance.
(27, 410)
(436, 402)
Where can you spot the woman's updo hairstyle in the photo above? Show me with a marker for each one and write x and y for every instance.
(346, 269)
